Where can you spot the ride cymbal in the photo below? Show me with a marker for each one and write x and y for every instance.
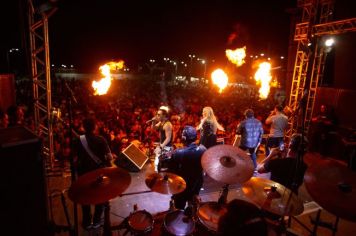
(165, 183)
(99, 186)
(227, 164)
(272, 197)
(333, 186)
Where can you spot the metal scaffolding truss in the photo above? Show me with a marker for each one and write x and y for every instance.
(336, 27)
(311, 55)
(41, 77)
(303, 55)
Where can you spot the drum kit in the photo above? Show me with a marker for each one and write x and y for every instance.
(330, 183)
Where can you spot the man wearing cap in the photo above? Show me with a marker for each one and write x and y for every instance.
(251, 132)
(187, 164)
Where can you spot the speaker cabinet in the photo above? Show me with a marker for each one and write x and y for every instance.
(22, 183)
(132, 159)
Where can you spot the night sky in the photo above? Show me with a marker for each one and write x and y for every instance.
(89, 33)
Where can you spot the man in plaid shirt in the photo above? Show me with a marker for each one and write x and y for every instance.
(251, 132)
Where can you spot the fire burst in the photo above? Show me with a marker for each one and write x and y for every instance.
(236, 56)
(102, 86)
(263, 76)
(220, 79)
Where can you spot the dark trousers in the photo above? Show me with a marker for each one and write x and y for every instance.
(252, 154)
(273, 142)
(192, 189)
(87, 216)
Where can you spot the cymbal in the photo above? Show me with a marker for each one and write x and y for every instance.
(333, 186)
(272, 197)
(227, 164)
(165, 183)
(99, 186)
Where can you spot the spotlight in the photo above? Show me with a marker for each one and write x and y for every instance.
(329, 42)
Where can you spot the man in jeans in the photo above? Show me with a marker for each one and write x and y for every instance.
(279, 123)
(251, 132)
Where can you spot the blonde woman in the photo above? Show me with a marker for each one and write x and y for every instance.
(208, 127)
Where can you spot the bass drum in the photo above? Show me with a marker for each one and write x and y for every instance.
(140, 222)
(176, 223)
(209, 214)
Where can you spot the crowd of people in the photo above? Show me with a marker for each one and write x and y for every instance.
(122, 114)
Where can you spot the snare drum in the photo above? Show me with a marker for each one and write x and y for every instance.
(140, 222)
(209, 214)
(176, 223)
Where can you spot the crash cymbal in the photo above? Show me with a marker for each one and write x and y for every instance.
(333, 186)
(227, 164)
(165, 183)
(99, 186)
(272, 197)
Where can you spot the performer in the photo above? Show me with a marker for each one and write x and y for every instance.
(208, 127)
(321, 126)
(279, 123)
(186, 162)
(251, 132)
(165, 129)
(93, 153)
(285, 166)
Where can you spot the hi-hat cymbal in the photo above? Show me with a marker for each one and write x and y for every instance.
(333, 186)
(272, 197)
(165, 183)
(227, 164)
(99, 186)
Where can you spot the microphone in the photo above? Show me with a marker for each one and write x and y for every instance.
(151, 120)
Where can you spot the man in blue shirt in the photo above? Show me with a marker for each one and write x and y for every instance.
(251, 132)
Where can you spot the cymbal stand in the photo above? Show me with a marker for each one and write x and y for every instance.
(224, 193)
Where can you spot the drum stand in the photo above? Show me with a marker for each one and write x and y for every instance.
(317, 223)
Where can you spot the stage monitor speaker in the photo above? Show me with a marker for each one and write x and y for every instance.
(132, 158)
(22, 182)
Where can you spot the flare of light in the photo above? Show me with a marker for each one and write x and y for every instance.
(329, 42)
(236, 56)
(220, 79)
(263, 78)
(102, 86)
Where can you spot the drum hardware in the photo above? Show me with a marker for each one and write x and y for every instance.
(275, 200)
(224, 193)
(59, 228)
(99, 186)
(272, 197)
(177, 223)
(339, 182)
(165, 183)
(139, 222)
(209, 213)
(227, 164)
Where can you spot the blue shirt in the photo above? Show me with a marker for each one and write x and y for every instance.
(251, 132)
